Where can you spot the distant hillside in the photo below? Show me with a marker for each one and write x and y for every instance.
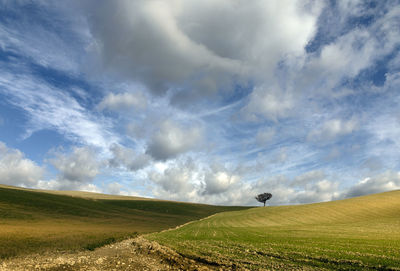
(79, 194)
(35, 220)
(360, 233)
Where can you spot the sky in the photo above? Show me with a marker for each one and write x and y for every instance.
(211, 101)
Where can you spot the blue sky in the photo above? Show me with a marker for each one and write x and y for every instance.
(204, 101)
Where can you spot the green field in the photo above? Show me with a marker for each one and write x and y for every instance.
(33, 221)
(355, 234)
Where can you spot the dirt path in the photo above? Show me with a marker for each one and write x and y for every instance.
(131, 254)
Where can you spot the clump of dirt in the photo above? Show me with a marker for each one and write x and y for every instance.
(131, 254)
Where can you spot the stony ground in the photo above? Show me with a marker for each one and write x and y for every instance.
(131, 254)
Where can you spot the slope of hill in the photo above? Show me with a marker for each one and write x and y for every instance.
(34, 220)
(353, 234)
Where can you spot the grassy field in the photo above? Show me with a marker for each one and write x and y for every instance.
(36, 221)
(355, 234)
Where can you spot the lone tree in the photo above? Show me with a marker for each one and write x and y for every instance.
(264, 197)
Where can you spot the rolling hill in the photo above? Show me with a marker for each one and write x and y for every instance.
(35, 220)
(360, 233)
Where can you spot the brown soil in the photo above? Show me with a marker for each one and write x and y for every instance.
(130, 254)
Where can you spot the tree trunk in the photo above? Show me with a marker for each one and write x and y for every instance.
(264, 203)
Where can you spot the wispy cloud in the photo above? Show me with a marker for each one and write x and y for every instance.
(30, 37)
(49, 107)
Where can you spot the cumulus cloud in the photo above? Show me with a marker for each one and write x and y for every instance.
(184, 180)
(76, 169)
(379, 183)
(283, 193)
(307, 188)
(350, 54)
(177, 181)
(128, 158)
(172, 139)
(268, 103)
(123, 101)
(116, 188)
(56, 184)
(220, 185)
(278, 63)
(302, 80)
(320, 191)
(356, 50)
(186, 42)
(219, 181)
(17, 170)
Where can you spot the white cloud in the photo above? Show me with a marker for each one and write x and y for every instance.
(308, 188)
(123, 101)
(333, 129)
(173, 139)
(353, 7)
(115, 188)
(218, 182)
(352, 52)
(128, 158)
(318, 192)
(66, 185)
(176, 182)
(218, 185)
(269, 103)
(17, 170)
(185, 181)
(76, 169)
(379, 183)
(254, 58)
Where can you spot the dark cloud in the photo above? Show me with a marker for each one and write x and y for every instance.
(186, 45)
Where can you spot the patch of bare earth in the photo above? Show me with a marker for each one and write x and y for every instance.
(130, 254)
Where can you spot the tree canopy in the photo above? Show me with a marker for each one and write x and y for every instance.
(263, 197)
